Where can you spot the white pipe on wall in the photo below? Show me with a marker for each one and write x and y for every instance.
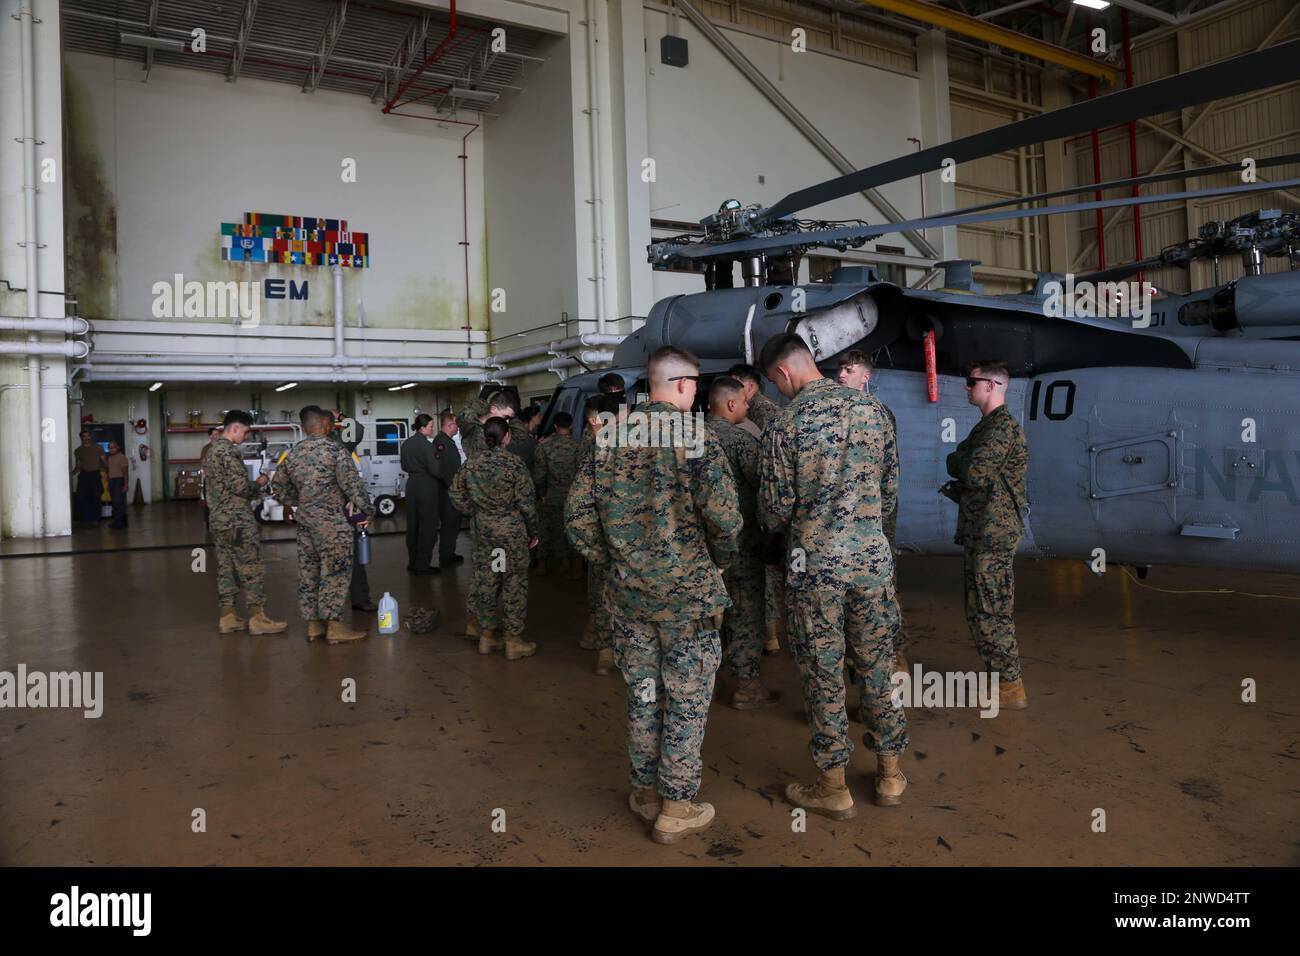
(589, 338)
(597, 213)
(596, 357)
(73, 326)
(338, 311)
(70, 349)
(150, 375)
(232, 361)
(30, 248)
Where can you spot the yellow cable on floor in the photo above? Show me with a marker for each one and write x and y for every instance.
(1152, 587)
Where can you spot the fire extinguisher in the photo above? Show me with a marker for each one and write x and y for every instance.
(144, 452)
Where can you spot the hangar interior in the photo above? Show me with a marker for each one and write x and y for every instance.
(380, 206)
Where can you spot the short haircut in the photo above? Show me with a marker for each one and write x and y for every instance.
(723, 388)
(611, 383)
(531, 412)
(993, 367)
(746, 373)
(445, 417)
(503, 400)
(857, 357)
(314, 415)
(421, 420)
(236, 417)
(669, 361)
(779, 348)
(562, 420)
(86, 431)
(308, 410)
(211, 431)
(494, 431)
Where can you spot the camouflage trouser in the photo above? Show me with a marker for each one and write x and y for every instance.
(498, 599)
(554, 545)
(990, 604)
(669, 668)
(324, 568)
(822, 623)
(900, 639)
(239, 561)
(774, 609)
(742, 626)
(596, 605)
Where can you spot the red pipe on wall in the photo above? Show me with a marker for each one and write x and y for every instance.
(428, 61)
(1096, 162)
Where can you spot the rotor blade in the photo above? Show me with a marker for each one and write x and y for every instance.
(1243, 74)
(1126, 270)
(1135, 181)
(823, 237)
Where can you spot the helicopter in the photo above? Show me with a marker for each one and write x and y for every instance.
(1162, 429)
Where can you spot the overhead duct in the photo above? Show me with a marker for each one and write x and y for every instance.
(235, 377)
(76, 350)
(73, 326)
(345, 361)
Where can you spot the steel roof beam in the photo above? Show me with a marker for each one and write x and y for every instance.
(325, 49)
(241, 39)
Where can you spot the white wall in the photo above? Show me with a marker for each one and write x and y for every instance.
(712, 133)
(179, 155)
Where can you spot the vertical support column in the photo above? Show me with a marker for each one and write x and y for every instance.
(936, 128)
(35, 491)
(1056, 95)
(630, 146)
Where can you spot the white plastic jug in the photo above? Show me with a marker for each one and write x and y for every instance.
(388, 622)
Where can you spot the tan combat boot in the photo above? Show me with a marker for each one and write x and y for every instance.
(829, 796)
(259, 623)
(588, 640)
(1011, 696)
(890, 782)
(336, 632)
(679, 817)
(230, 622)
(645, 803)
(471, 629)
(750, 694)
(517, 647)
(488, 641)
(315, 629)
(604, 661)
(773, 643)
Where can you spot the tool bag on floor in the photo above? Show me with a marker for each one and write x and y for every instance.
(421, 620)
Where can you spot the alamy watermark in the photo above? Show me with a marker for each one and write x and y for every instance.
(74, 689)
(653, 430)
(923, 688)
(1084, 299)
(179, 299)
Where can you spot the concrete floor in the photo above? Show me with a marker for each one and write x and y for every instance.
(1135, 709)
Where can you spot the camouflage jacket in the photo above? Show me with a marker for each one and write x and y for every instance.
(554, 466)
(991, 469)
(317, 478)
(741, 451)
(228, 488)
(494, 488)
(762, 410)
(829, 470)
(522, 442)
(889, 508)
(663, 521)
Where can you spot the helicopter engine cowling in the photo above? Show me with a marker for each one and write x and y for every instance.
(840, 327)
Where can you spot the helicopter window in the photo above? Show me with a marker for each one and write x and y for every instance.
(773, 300)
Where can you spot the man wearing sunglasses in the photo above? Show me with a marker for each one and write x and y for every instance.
(990, 470)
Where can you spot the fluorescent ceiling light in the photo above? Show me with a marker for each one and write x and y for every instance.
(155, 386)
(398, 388)
(482, 95)
(286, 386)
(156, 43)
(1093, 4)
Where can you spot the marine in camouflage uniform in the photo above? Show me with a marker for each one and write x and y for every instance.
(663, 523)
(743, 625)
(598, 634)
(237, 539)
(761, 411)
(318, 478)
(990, 470)
(829, 472)
(554, 465)
(495, 490)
